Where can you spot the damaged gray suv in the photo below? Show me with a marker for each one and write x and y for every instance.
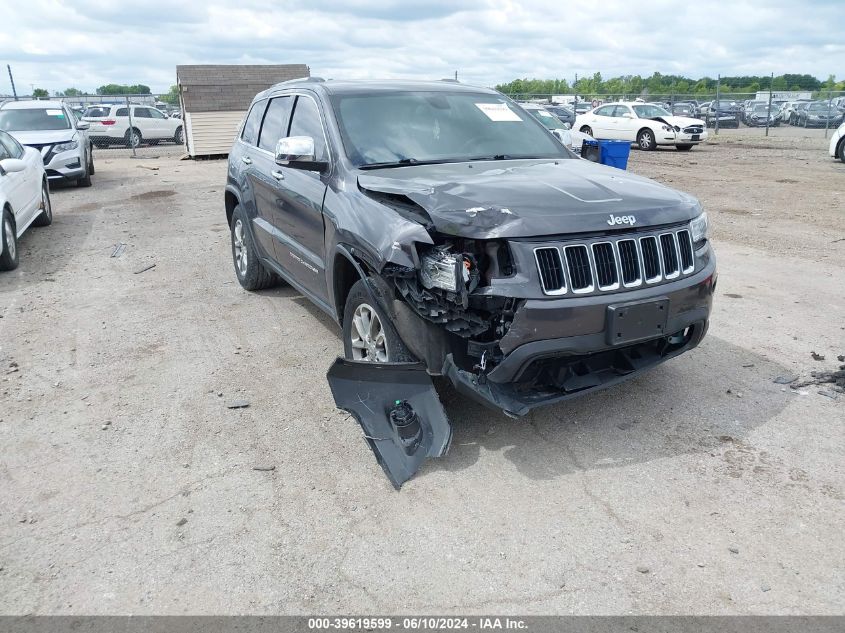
(450, 234)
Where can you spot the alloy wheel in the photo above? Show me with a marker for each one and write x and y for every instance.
(10, 238)
(369, 342)
(239, 242)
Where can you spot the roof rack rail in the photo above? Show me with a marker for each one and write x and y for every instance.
(450, 80)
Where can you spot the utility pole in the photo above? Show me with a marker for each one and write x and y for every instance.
(769, 109)
(456, 75)
(718, 82)
(12, 79)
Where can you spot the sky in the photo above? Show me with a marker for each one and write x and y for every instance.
(55, 44)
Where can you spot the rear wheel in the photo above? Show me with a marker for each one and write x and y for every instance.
(683, 148)
(9, 256)
(368, 333)
(91, 160)
(586, 129)
(133, 138)
(45, 218)
(251, 273)
(645, 140)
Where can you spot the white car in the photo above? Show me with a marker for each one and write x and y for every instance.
(110, 125)
(53, 129)
(837, 143)
(24, 196)
(645, 124)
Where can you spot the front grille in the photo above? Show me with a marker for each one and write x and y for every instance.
(669, 250)
(694, 129)
(578, 264)
(551, 270)
(606, 265)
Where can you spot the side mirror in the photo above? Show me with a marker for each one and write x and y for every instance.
(82, 125)
(12, 165)
(297, 152)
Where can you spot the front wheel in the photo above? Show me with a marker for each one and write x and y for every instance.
(683, 148)
(368, 333)
(646, 140)
(9, 256)
(251, 273)
(45, 218)
(842, 150)
(178, 136)
(586, 129)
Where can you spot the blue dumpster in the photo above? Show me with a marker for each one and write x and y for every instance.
(614, 153)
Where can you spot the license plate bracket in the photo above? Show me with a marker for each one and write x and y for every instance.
(696, 137)
(636, 321)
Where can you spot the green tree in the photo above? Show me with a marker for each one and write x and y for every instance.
(172, 97)
(123, 89)
(40, 93)
(70, 92)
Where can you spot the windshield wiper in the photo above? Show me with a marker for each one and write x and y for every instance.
(405, 162)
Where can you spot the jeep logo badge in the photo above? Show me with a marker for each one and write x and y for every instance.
(621, 219)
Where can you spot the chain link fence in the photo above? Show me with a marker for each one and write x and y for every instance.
(776, 113)
(137, 125)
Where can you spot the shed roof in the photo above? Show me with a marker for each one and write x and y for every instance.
(222, 87)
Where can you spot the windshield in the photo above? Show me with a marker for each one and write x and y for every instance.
(33, 119)
(546, 118)
(438, 127)
(649, 111)
(761, 108)
(818, 107)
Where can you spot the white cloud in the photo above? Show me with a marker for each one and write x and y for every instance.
(87, 43)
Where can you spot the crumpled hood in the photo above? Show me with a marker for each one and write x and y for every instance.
(530, 198)
(680, 121)
(40, 137)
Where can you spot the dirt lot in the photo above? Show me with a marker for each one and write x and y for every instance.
(127, 486)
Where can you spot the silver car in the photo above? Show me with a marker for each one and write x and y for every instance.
(52, 128)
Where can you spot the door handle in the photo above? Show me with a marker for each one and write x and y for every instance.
(277, 175)
(246, 160)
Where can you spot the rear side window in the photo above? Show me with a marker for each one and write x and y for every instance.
(253, 122)
(275, 124)
(306, 122)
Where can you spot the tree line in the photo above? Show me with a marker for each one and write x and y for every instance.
(668, 84)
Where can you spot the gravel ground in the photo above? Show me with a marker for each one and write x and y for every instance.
(127, 486)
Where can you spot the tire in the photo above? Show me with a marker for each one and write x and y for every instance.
(368, 333)
(45, 218)
(85, 181)
(91, 160)
(842, 150)
(133, 138)
(646, 140)
(9, 257)
(586, 129)
(683, 148)
(177, 138)
(251, 273)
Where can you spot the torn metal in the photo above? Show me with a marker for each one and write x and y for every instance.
(398, 409)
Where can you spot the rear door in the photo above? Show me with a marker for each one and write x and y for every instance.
(298, 208)
(254, 180)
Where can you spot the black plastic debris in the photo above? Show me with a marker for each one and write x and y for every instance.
(398, 409)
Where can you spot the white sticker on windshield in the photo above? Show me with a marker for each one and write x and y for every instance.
(55, 113)
(498, 111)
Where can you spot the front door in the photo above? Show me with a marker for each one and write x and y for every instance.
(626, 124)
(298, 212)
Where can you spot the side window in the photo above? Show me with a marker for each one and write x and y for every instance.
(306, 122)
(122, 112)
(605, 111)
(141, 113)
(253, 122)
(156, 113)
(12, 148)
(620, 111)
(275, 124)
(4, 151)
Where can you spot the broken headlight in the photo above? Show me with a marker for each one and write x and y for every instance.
(699, 228)
(442, 269)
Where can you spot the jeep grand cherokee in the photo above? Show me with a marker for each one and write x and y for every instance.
(449, 233)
